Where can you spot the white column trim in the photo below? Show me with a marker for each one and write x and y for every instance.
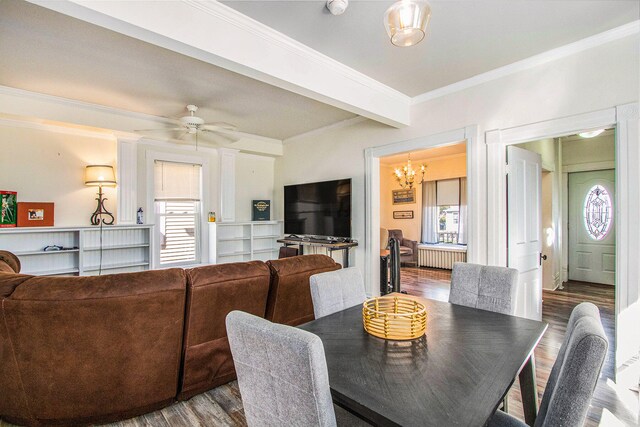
(227, 192)
(127, 179)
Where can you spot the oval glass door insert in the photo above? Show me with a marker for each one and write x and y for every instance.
(598, 212)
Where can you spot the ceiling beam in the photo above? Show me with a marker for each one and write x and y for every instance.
(217, 34)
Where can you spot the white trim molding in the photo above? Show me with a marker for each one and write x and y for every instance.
(475, 246)
(626, 120)
(127, 181)
(617, 33)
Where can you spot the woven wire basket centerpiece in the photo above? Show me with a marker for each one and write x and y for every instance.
(394, 317)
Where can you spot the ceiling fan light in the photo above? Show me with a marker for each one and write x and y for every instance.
(406, 22)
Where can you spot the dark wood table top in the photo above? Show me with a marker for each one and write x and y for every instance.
(456, 375)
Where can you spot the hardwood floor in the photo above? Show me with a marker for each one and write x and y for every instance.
(611, 405)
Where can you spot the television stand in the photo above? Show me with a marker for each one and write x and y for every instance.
(330, 245)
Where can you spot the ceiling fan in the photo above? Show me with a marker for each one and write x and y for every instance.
(192, 125)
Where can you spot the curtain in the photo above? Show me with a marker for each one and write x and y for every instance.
(462, 218)
(429, 213)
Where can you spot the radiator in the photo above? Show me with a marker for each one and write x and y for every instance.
(440, 257)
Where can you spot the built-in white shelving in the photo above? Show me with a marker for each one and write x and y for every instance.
(244, 241)
(93, 250)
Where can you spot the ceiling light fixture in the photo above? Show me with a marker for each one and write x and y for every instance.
(337, 7)
(591, 134)
(406, 22)
(407, 175)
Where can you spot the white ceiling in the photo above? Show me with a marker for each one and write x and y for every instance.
(47, 52)
(465, 38)
(426, 154)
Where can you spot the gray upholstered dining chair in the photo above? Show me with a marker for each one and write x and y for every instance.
(282, 374)
(336, 290)
(574, 375)
(484, 287)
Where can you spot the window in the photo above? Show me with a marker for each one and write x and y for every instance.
(598, 212)
(448, 199)
(178, 212)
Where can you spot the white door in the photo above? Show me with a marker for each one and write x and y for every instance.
(592, 237)
(524, 204)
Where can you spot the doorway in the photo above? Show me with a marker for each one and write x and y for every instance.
(373, 155)
(423, 203)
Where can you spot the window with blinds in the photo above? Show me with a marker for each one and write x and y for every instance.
(177, 205)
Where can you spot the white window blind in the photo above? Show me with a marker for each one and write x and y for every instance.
(177, 200)
(177, 181)
(448, 192)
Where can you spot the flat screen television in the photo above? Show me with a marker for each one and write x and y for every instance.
(318, 209)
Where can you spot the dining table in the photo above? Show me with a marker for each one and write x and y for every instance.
(457, 374)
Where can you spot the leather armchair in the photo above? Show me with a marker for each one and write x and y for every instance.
(408, 248)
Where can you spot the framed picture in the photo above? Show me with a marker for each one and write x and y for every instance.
(31, 214)
(404, 196)
(8, 208)
(402, 214)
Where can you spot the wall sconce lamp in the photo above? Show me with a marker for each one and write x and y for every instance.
(99, 176)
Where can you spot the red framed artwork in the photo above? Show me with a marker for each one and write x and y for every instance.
(35, 214)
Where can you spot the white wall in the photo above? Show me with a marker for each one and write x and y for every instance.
(588, 150)
(598, 78)
(44, 166)
(254, 181)
(48, 166)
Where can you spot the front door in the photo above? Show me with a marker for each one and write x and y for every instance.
(524, 204)
(592, 237)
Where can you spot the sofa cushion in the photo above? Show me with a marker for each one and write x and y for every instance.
(290, 294)
(213, 292)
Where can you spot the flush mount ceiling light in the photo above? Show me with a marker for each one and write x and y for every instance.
(591, 134)
(406, 22)
(337, 7)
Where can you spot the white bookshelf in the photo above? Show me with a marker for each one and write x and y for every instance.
(244, 241)
(115, 249)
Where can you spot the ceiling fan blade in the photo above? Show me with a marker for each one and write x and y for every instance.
(159, 130)
(234, 133)
(221, 125)
(216, 134)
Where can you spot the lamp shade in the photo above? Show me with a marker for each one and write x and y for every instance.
(95, 175)
(406, 22)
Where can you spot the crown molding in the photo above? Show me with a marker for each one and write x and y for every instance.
(57, 128)
(245, 23)
(6, 90)
(318, 131)
(533, 61)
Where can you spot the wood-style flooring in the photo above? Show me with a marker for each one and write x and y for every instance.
(611, 405)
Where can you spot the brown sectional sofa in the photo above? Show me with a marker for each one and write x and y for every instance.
(80, 350)
(289, 303)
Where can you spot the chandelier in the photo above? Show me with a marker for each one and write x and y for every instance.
(406, 22)
(407, 175)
